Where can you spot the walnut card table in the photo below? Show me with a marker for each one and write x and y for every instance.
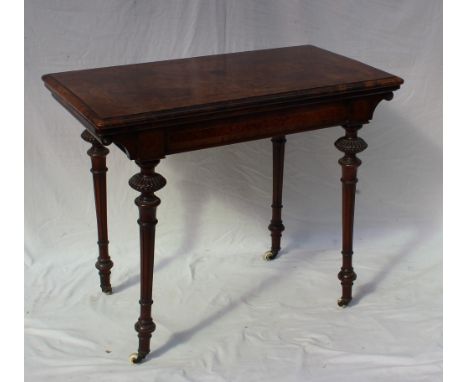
(155, 109)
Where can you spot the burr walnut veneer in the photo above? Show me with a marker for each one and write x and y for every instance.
(155, 109)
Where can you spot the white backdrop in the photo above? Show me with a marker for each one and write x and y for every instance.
(222, 313)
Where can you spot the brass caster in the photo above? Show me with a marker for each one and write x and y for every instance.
(269, 255)
(135, 358)
(107, 290)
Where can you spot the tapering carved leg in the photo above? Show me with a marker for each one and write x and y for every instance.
(146, 182)
(98, 168)
(350, 145)
(276, 225)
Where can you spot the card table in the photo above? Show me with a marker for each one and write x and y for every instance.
(151, 110)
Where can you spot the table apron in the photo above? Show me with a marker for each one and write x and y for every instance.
(156, 143)
(264, 125)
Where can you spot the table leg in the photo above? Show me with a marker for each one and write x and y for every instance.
(350, 145)
(98, 168)
(146, 182)
(276, 226)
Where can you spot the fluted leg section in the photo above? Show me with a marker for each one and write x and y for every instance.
(146, 182)
(350, 145)
(276, 226)
(98, 168)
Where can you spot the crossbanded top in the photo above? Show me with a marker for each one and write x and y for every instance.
(121, 96)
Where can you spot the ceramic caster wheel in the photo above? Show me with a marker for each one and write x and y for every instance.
(135, 358)
(268, 256)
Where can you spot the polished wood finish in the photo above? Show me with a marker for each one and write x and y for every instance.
(134, 97)
(276, 225)
(156, 109)
(98, 155)
(147, 182)
(350, 145)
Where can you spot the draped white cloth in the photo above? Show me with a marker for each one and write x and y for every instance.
(222, 313)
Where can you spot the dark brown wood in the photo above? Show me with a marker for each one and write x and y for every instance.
(350, 145)
(98, 155)
(155, 109)
(213, 132)
(147, 182)
(155, 95)
(276, 226)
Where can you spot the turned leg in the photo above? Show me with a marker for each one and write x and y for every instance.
(146, 182)
(350, 145)
(98, 168)
(276, 225)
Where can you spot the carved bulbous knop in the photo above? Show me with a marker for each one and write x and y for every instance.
(351, 145)
(147, 183)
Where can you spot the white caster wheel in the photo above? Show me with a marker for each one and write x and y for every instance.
(133, 358)
(268, 256)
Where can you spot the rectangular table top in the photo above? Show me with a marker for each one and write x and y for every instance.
(117, 96)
